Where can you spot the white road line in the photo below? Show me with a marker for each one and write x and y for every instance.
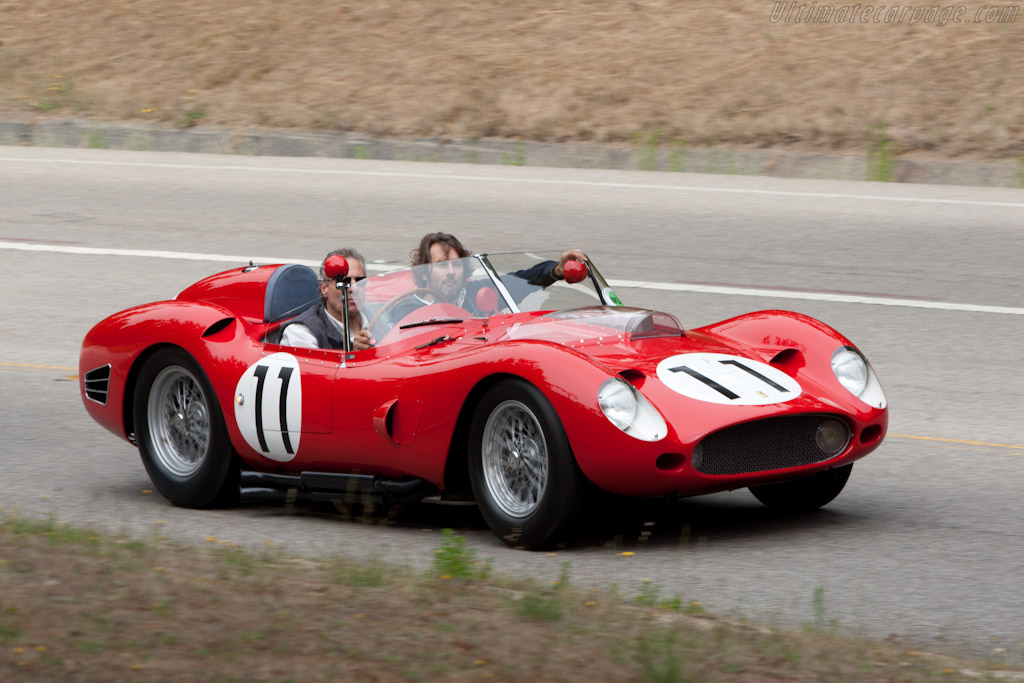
(816, 296)
(535, 181)
(634, 284)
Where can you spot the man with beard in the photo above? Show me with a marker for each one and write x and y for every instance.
(447, 277)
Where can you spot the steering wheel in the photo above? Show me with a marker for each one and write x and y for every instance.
(395, 299)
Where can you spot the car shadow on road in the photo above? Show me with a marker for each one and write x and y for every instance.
(608, 522)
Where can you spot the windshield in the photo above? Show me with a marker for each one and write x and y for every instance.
(528, 281)
(475, 286)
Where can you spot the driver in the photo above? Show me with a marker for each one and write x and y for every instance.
(446, 275)
(323, 327)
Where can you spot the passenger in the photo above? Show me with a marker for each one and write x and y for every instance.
(323, 326)
(447, 277)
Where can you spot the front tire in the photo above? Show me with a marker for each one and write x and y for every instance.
(803, 495)
(181, 435)
(524, 475)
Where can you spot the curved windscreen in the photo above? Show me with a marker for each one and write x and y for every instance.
(527, 277)
(597, 323)
(475, 286)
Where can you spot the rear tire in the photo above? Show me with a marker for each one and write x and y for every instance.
(803, 495)
(524, 475)
(181, 435)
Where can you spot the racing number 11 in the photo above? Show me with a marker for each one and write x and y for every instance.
(285, 375)
(728, 393)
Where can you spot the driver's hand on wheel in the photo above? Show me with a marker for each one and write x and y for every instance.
(363, 340)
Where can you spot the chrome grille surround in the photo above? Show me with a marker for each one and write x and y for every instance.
(773, 443)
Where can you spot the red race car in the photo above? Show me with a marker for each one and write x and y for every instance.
(507, 388)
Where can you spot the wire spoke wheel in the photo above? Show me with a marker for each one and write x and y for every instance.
(524, 476)
(515, 459)
(179, 419)
(181, 434)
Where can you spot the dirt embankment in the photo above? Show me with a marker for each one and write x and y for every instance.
(729, 72)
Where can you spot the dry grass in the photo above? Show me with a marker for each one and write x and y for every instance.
(79, 606)
(705, 72)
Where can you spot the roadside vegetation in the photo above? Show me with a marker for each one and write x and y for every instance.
(658, 75)
(76, 605)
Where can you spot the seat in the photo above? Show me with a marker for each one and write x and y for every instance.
(290, 290)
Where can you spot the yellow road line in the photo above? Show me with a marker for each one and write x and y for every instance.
(960, 441)
(34, 367)
(8, 364)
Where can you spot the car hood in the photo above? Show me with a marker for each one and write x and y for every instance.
(715, 370)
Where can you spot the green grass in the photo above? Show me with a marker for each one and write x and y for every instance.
(191, 118)
(517, 157)
(820, 623)
(882, 152)
(97, 140)
(677, 156)
(455, 560)
(114, 611)
(647, 150)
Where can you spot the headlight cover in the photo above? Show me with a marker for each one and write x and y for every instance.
(850, 369)
(630, 411)
(854, 372)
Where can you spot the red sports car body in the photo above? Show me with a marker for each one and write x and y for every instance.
(516, 393)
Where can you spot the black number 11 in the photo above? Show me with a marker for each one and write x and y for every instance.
(722, 390)
(285, 375)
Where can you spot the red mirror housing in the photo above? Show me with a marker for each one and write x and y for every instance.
(574, 271)
(335, 267)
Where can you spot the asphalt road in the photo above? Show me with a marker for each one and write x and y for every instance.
(925, 542)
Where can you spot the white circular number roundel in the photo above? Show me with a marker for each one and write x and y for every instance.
(268, 406)
(721, 378)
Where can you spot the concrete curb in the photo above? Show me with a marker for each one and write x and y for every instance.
(643, 156)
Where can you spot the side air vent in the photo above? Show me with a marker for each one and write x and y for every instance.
(218, 326)
(97, 384)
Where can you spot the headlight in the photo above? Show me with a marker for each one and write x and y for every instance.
(854, 372)
(618, 402)
(627, 409)
(850, 369)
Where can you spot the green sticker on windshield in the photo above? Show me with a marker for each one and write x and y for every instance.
(609, 295)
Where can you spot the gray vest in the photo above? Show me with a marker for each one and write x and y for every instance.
(327, 334)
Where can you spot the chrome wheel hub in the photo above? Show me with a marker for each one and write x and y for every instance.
(515, 459)
(179, 421)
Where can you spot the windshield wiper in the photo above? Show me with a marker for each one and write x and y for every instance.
(437, 340)
(430, 321)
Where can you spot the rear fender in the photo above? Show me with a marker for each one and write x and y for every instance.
(209, 333)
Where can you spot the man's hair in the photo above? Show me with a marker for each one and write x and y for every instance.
(348, 254)
(421, 254)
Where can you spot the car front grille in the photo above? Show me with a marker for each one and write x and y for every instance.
(770, 444)
(97, 384)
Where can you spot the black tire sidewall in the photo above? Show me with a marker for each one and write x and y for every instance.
(207, 485)
(563, 490)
